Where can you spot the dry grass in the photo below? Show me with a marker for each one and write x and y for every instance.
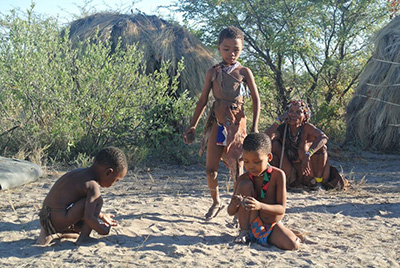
(373, 115)
(159, 40)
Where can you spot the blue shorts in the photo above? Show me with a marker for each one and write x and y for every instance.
(260, 231)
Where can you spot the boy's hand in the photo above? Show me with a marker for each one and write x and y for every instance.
(237, 200)
(108, 219)
(106, 229)
(251, 203)
(189, 136)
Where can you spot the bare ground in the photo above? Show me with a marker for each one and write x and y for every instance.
(161, 223)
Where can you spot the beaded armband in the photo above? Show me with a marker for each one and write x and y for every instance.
(278, 121)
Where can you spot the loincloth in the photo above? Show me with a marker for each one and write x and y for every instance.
(45, 220)
(230, 135)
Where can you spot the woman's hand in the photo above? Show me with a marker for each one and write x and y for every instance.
(284, 117)
(305, 166)
(250, 203)
(189, 135)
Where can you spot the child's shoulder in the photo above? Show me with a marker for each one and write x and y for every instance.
(277, 174)
(244, 176)
(79, 175)
(211, 71)
(245, 72)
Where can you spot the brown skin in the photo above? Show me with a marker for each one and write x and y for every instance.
(270, 209)
(230, 50)
(311, 138)
(82, 188)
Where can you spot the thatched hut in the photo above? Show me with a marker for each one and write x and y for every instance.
(158, 39)
(373, 115)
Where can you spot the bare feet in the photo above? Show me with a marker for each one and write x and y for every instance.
(44, 239)
(70, 235)
(243, 237)
(213, 211)
(82, 239)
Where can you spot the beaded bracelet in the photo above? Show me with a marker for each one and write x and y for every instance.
(319, 180)
(311, 151)
(278, 121)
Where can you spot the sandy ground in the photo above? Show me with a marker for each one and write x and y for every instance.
(160, 213)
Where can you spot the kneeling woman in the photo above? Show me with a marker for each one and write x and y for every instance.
(299, 148)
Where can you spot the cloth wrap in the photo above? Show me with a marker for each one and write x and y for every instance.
(227, 111)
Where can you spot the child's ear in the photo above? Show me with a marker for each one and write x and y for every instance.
(109, 171)
(270, 156)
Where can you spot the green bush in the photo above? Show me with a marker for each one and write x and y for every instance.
(74, 100)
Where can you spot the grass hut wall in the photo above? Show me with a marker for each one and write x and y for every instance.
(373, 114)
(158, 39)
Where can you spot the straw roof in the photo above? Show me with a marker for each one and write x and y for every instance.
(373, 115)
(158, 39)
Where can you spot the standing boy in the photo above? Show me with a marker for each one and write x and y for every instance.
(73, 205)
(226, 126)
(260, 197)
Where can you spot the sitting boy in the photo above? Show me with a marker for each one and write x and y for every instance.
(260, 197)
(73, 205)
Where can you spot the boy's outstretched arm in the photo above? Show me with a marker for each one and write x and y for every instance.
(255, 97)
(93, 205)
(200, 106)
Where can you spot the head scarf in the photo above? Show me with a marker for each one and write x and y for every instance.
(303, 106)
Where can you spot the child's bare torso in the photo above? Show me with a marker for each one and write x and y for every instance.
(270, 198)
(70, 188)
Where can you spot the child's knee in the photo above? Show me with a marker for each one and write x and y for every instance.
(276, 147)
(245, 187)
(211, 174)
(292, 244)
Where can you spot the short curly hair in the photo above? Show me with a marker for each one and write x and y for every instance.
(112, 157)
(231, 33)
(256, 142)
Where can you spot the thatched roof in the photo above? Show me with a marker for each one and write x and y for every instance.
(159, 40)
(373, 115)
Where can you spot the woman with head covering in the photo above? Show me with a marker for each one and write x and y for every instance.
(299, 148)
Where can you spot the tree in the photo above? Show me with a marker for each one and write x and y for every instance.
(311, 49)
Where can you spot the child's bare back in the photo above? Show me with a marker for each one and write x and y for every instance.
(73, 205)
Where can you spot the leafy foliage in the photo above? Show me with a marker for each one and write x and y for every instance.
(314, 50)
(76, 100)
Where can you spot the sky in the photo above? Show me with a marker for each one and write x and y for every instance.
(66, 10)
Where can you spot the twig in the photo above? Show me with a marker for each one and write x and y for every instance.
(141, 245)
(8, 131)
(376, 99)
(283, 146)
(11, 203)
(387, 61)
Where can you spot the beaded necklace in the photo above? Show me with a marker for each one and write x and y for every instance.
(267, 178)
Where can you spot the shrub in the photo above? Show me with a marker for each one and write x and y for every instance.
(76, 100)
